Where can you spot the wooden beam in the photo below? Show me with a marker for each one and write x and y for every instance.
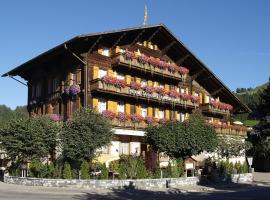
(167, 48)
(93, 46)
(118, 40)
(196, 75)
(182, 59)
(206, 78)
(153, 35)
(136, 38)
(216, 91)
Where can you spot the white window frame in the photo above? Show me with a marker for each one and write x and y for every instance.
(124, 148)
(105, 52)
(161, 113)
(102, 105)
(120, 76)
(144, 111)
(102, 73)
(143, 82)
(120, 106)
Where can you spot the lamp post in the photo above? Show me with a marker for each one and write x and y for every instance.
(250, 161)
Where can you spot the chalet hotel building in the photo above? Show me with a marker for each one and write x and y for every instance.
(134, 77)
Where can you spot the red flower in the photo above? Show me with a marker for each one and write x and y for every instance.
(195, 99)
(108, 114)
(136, 118)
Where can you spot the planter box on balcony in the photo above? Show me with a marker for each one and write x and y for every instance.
(120, 59)
(211, 109)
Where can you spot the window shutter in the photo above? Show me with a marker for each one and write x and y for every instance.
(95, 104)
(127, 108)
(128, 79)
(95, 72)
(167, 114)
(150, 83)
(167, 87)
(150, 111)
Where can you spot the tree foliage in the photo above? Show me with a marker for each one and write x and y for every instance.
(27, 139)
(230, 147)
(183, 139)
(86, 132)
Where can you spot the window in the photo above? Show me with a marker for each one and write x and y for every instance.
(120, 76)
(72, 78)
(161, 113)
(143, 83)
(144, 111)
(120, 106)
(102, 105)
(105, 52)
(182, 91)
(161, 85)
(178, 117)
(207, 98)
(102, 73)
(124, 148)
(103, 150)
(183, 116)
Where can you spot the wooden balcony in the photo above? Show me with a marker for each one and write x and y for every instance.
(231, 131)
(210, 109)
(128, 124)
(120, 61)
(98, 86)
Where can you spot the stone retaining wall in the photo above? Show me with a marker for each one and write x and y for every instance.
(103, 184)
(118, 184)
(242, 178)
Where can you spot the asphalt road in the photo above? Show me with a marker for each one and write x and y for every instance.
(12, 192)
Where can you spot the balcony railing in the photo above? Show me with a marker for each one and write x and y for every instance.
(230, 130)
(186, 101)
(137, 63)
(211, 109)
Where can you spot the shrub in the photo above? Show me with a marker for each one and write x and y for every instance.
(157, 173)
(57, 171)
(122, 171)
(104, 172)
(67, 172)
(85, 170)
(37, 169)
(181, 167)
(141, 171)
(114, 166)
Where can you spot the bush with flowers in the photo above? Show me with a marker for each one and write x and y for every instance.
(184, 96)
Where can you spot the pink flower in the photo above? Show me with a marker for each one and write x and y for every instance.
(148, 89)
(185, 96)
(108, 114)
(136, 118)
(195, 99)
(122, 117)
(135, 86)
(173, 94)
(56, 117)
(161, 91)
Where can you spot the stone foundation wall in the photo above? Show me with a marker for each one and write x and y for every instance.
(104, 184)
(118, 184)
(242, 178)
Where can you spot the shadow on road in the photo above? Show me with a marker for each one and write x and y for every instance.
(239, 192)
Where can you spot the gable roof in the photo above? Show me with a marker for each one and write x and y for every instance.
(158, 34)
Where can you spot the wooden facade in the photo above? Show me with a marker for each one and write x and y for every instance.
(110, 72)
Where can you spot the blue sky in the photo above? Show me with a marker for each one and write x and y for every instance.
(231, 36)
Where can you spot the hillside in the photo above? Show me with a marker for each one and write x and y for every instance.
(251, 97)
